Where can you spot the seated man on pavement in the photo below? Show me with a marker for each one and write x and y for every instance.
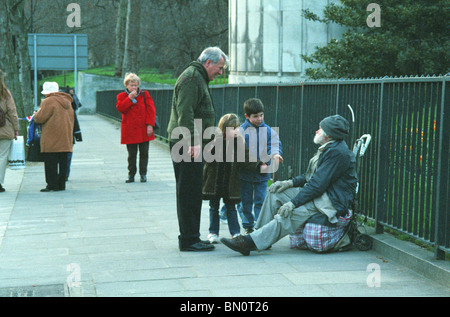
(321, 195)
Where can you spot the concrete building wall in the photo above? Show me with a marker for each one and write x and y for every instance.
(268, 37)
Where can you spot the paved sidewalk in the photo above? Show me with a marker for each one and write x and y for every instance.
(103, 237)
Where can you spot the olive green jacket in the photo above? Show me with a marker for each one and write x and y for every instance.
(192, 100)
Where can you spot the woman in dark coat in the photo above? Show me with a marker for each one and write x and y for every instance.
(138, 120)
(225, 157)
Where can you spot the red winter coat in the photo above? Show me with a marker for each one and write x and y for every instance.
(135, 118)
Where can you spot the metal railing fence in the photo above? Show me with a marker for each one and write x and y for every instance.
(404, 175)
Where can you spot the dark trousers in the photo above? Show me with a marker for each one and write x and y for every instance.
(188, 178)
(143, 158)
(55, 165)
(214, 219)
(69, 162)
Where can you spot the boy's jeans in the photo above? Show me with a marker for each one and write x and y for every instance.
(252, 198)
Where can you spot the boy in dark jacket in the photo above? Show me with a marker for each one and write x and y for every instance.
(326, 189)
(264, 144)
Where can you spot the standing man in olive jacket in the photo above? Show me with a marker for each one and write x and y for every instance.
(192, 101)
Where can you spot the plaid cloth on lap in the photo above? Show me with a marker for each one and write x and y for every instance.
(319, 238)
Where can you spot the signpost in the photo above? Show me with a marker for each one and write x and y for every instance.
(57, 52)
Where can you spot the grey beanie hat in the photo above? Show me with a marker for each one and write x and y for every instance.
(336, 127)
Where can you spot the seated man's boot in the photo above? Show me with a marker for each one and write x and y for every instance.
(241, 244)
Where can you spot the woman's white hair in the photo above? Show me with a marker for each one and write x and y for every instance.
(131, 77)
(213, 54)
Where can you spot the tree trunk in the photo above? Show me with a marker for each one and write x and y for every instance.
(120, 37)
(25, 61)
(132, 35)
(8, 57)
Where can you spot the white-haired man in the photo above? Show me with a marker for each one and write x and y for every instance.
(192, 100)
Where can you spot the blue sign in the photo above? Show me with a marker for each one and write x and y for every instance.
(58, 51)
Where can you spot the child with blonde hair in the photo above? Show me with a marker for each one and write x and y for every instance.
(221, 174)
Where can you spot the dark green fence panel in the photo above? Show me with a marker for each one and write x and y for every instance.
(106, 104)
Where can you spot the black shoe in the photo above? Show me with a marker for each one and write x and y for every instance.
(130, 179)
(48, 189)
(143, 179)
(1, 189)
(198, 247)
(241, 244)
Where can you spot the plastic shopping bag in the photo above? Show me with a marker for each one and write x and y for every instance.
(16, 157)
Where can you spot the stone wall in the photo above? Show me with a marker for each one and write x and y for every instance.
(89, 84)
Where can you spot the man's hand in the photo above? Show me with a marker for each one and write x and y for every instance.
(280, 186)
(195, 150)
(286, 210)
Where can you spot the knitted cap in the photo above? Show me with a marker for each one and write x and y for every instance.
(336, 127)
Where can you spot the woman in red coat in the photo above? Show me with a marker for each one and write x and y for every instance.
(138, 120)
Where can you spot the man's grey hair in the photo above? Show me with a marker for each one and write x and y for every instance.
(213, 54)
